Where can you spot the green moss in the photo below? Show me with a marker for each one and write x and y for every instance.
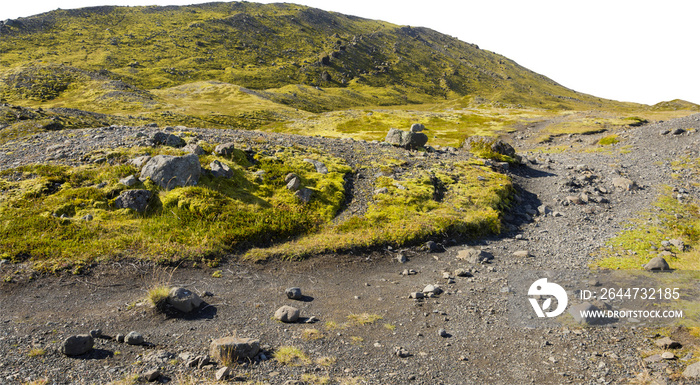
(608, 140)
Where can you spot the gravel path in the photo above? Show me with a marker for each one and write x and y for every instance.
(480, 347)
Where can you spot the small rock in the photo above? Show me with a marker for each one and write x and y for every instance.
(417, 127)
(129, 181)
(522, 254)
(678, 131)
(401, 258)
(474, 256)
(223, 373)
(304, 194)
(183, 300)
(653, 359)
(382, 190)
(77, 345)
(692, 371)
(225, 149)
(152, 375)
(432, 289)
(165, 139)
(140, 161)
(574, 200)
(320, 167)
(136, 200)
(134, 338)
(668, 356)
(232, 349)
(443, 333)
(287, 314)
(544, 209)
(624, 184)
(416, 295)
(667, 343)
(96, 333)
(678, 243)
(294, 183)
(220, 170)
(462, 273)
(293, 293)
(401, 352)
(193, 148)
(119, 338)
(657, 264)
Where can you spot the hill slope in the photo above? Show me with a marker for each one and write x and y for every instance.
(121, 52)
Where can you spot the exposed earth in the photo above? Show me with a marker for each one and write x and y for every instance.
(478, 346)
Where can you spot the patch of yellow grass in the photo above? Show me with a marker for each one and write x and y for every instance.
(292, 356)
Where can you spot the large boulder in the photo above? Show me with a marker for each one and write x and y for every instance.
(232, 349)
(692, 371)
(657, 264)
(136, 200)
(407, 139)
(77, 345)
(183, 300)
(165, 139)
(169, 171)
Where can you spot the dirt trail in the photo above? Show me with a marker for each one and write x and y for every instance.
(482, 347)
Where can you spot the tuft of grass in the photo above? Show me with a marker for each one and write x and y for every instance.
(292, 356)
(311, 334)
(390, 327)
(217, 274)
(608, 140)
(157, 296)
(313, 379)
(364, 318)
(36, 352)
(326, 361)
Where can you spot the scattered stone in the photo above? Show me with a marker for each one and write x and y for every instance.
(624, 184)
(87, 217)
(433, 247)
(304, 194)
(417, 127)
(657, 264)
(664, 132)
(574, 200)
(667, 343)
(293, 293)
(475, 256)
(692, 371)
(382, 190)
(195, 149)
(678, 243)
(96, 333)
(225, 149)
(678, 131)
(668, 356)
(406, 139)
(152, 375)
(120, 338)
(401, 258)
(462, 273)
(446, 275)
(232, 349)
(409, 272)
(77, 345)
(136, 200)
(432, 289)
(294, 183)
(287, 314)
(311, 320)
(169, 171)
(443, 333)
(165, 139)
(183, 300)
(416, 295)
(320, 167)
(129, 181)
(544, 209)
(134, 338)
(653, 359)
(223, 373)
(140, 161)
(220, 170)
(401, 352)
(522, 254)
(577, 310)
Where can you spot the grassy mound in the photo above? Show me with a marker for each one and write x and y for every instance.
(43, 209)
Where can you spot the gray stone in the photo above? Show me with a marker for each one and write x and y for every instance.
(406, 139)
(678, 243)
(165, 139)
(474, 256)
(692, 371)
(382, 190)
(294, 293)
(220, 170)
(657, 264)
(136, 200)
(169, 171)
(503, 148)
(678, 131)
(120, 338)
(96, 333)
(232, 349)
(288, 178)
(77, 345)
(129, 181)
(152, 375)
(304, 194)
(576, 312)
(134, 338)
(225, 149)
(653, 359)
(140, 161)
(294, 183)
(395, 137)
(668, 356)
(416, 295)
(574, 200)
(443, 333)
(287, 314)
(223, 373)
(183, 300)
(320, 167)
(462, 273)
(667, 343)
(417, 127)
(624, 184)
(522, 254)
(544, 209)
(432, 289)
(195, 149)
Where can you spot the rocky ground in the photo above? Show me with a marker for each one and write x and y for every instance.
(461, 336)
